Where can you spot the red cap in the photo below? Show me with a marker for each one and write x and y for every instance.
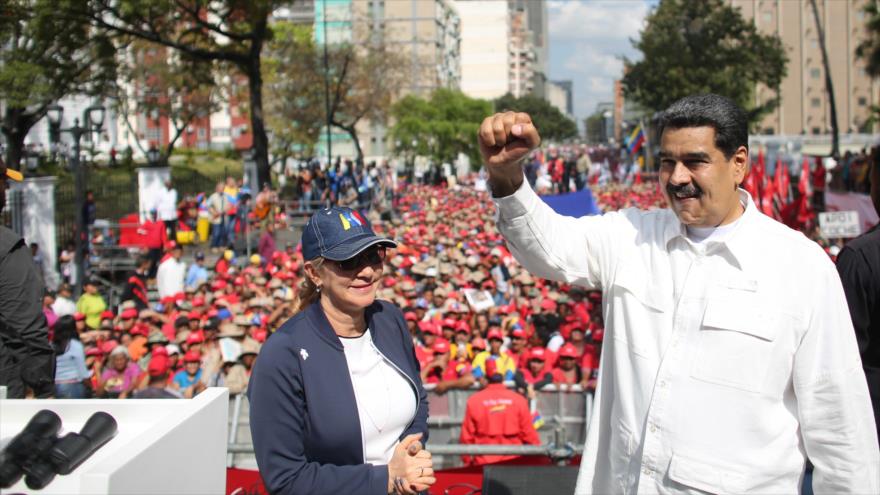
(441, 346)
(108, 346)
(139, 330)
(198, 301)
(238, 281)
(598, 335)
(160, 351)
(159, 365)
(165, 301)
(518, 333)
(105, 315)
(260, 336)
(538, 353)
(192, 357)
(478, 343)
(94, 351)
(180, 296)
(79, 316)
(429, 327)
(194, 315)
(494, 334)
(463, 327)
(568, 350)
(449, 323)
(410, 316)
(195, 338)
(548, 305)
(129, 314)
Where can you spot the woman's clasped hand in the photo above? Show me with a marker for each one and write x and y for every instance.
(411, 469)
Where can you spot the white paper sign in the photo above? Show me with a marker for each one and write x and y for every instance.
(835, 224)
(479, 300)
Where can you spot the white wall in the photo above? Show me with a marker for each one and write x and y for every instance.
(485, 35)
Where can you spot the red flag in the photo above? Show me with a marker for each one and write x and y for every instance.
(749, 183)
(767, 199)
(782, 182)
(760, 169)
(804, 180)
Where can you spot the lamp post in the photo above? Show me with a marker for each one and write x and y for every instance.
(93, 120)
(153, 156)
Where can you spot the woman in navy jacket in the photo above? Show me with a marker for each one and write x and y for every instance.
(336, 402)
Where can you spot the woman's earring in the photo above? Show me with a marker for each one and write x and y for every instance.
(319, 288)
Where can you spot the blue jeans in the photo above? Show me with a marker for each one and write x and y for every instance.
(218, 235)
(70, 390)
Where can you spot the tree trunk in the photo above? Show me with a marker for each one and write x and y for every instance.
(15, 128)
(258, 129)
(829, 87)
(352, 132)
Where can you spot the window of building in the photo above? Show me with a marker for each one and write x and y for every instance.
(863, 102)
(815, 102)
(220, 132)
(817, 130)
(767, 18)
(201, 133)
(815, 73)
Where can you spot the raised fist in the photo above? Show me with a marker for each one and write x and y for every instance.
(505, 139)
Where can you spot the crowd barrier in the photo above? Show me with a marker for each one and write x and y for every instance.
(565, 415)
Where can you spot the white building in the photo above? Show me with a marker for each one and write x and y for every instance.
(485, 40)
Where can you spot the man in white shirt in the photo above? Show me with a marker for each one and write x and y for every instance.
(64, 304)
(729, 354)
(171, 272)
(166, 207)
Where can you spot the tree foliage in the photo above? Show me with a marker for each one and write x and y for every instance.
(363, 77)
(869, 49)
(440, 127)
(294, 91)
(703, 46)
(228, 31)
(43, 58)
(178, 88)
(551, 123)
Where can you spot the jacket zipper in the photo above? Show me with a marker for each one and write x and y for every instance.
(411, 382)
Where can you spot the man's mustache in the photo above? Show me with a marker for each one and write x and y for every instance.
(684, 190)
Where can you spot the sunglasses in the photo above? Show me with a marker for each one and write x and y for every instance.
(369, 257)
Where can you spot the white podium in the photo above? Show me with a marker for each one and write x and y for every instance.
(162, 446)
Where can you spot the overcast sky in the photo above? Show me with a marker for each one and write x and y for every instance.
(587, 40)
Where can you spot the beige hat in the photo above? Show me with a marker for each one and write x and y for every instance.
(230, 330)
(242, 321)
(249, 346)
(275, 283)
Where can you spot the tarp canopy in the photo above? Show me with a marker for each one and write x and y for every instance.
(576, 204)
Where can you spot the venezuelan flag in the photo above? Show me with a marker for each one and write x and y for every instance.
(537, 420)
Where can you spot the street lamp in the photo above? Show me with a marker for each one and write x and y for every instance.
(153, 156)
(93, 121)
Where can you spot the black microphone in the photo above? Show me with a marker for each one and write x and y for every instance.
(69, 451)
(36, 437)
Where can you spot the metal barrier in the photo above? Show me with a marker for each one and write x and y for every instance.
(566, 415)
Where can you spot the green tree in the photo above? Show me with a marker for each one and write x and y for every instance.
(595, 126)
(869, 49)
(227, 31)
(295, 109)
(551, 123)
(704, 46)
(180, 89)
(44, 58)
(440, 127)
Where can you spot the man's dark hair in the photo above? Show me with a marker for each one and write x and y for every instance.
(730, 121)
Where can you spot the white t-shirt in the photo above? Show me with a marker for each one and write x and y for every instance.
(385, 399)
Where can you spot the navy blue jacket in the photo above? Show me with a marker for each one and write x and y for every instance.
(303, 414)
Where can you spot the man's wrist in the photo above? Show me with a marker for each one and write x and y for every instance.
(505, 185)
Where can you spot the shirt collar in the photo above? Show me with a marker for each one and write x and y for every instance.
(738, 244)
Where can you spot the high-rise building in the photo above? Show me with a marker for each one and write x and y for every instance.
(485, 48)
(804, 106)
(522, 56)
(561, 96)
(536, 23)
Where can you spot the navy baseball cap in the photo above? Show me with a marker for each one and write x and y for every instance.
(339, 233)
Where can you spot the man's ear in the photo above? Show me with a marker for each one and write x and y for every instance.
(740, 163)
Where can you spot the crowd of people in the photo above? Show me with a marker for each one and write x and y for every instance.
(465, 300)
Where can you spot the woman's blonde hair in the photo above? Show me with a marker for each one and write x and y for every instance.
(308, 291)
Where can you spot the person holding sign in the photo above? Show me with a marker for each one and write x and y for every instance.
(729, 357)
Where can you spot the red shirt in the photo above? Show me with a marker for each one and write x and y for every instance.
(590, 360)
(496, 415)
(559, 376)
(154, 234)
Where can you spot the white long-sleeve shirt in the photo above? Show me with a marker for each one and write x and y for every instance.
(726, 363)
(169, 277)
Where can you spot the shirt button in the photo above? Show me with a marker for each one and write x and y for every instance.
(647, 471)
(653, 428)
(662, 383)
